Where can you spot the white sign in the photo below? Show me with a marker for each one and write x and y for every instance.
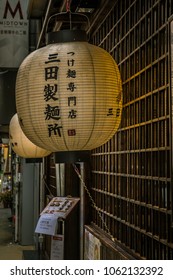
(47, 224)
(13, 32)
(57, 247)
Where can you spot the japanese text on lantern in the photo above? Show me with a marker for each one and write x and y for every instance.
(50, 93)
(71, 87)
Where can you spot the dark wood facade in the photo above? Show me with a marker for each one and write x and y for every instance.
(131, 175)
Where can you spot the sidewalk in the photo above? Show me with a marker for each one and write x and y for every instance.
(8, 249)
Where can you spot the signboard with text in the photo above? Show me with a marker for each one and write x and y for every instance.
(13, 33)
(58, 208)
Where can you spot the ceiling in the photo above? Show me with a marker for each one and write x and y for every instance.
(85, 14)
(38, 9)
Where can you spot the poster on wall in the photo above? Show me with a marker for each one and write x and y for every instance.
(92, 246)
(14, 43)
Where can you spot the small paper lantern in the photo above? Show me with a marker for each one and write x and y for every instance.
(21, 145)
(69, 94)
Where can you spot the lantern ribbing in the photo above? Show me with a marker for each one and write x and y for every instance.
(69, 96)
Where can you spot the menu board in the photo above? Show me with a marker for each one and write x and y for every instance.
(58, 208)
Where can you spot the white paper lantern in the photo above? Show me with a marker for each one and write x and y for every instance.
(69, 95)
(21, 145)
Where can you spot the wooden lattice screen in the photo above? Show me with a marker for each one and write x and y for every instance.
(131, 174)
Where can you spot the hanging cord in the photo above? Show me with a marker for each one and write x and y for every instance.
(46, 185)
(92, 201)
(68, 5)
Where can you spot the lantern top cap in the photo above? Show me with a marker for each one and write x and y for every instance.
(63, 36)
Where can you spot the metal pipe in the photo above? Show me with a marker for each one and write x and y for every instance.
(44, 24)
(42, 192)
(58, 24)
(82, 212)
(60, 183)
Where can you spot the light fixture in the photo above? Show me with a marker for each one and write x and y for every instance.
(69, 94)
(21, 145)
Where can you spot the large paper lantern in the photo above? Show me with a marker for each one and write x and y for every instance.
(21, 145)
(69, 94)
